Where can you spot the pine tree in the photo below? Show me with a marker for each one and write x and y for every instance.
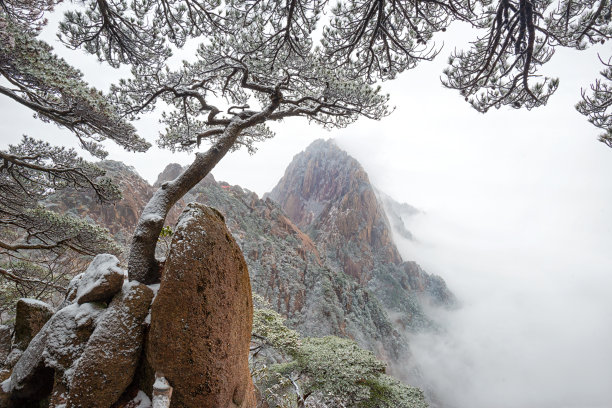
(264, 60)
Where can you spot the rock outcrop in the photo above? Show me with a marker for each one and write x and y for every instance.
(107, 364)
(202, 316)
(328, 194)
(86, 354)
(52, 352)
(30, 317)
(101, 281)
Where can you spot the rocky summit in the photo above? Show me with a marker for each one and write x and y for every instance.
(328, 194)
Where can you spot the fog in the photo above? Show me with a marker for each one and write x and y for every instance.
(534, 325)
(532, 275)
(516, 219)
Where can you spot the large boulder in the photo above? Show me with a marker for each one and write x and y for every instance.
(202, 316)
(101, 281)
(30, 317)
(52, 352)
(107, 365)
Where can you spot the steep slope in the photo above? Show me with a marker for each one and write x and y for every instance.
(323, 257)
(287, 269)
(120, 218)
(328, 194)
(396, 212)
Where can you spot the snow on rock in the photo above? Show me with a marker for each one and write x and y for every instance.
(4, 395)
(36, 303)
(155, 288)
(71, 292)
(69, 335)
(6, 385)
(31, 315)
(162, 392)
(141, 400)
(107, 365)
(85, 355)
(102, 279)
(53, 351)
(12, 358)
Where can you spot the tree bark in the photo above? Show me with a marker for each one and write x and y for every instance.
(142, 265)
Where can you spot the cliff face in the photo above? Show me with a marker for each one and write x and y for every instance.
(329, 195)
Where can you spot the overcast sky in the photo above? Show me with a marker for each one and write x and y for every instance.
(516, 220)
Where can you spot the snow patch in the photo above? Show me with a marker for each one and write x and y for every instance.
(88, 313)
(161, 384)
(6, 385)
(35, 302)
(56, 343)
(151, 217)
(102, 266)
(155, 288)
(188, 214)
(141, 400)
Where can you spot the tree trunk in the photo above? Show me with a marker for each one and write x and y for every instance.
(142, 265)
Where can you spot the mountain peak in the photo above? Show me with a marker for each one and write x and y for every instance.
(327, 193)
(321, 174)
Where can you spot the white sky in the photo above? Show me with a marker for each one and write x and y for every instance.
(516, 220)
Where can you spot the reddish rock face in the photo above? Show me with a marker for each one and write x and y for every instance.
(121, 218)
(327, 191)
(202, 316)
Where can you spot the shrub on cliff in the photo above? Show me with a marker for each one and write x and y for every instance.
(321, 371)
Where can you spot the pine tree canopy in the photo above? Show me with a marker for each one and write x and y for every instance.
(259, 61)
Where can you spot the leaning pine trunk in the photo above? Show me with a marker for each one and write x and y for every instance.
(142, 265)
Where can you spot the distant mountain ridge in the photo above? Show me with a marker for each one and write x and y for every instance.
(319, 247)
(395, 212)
